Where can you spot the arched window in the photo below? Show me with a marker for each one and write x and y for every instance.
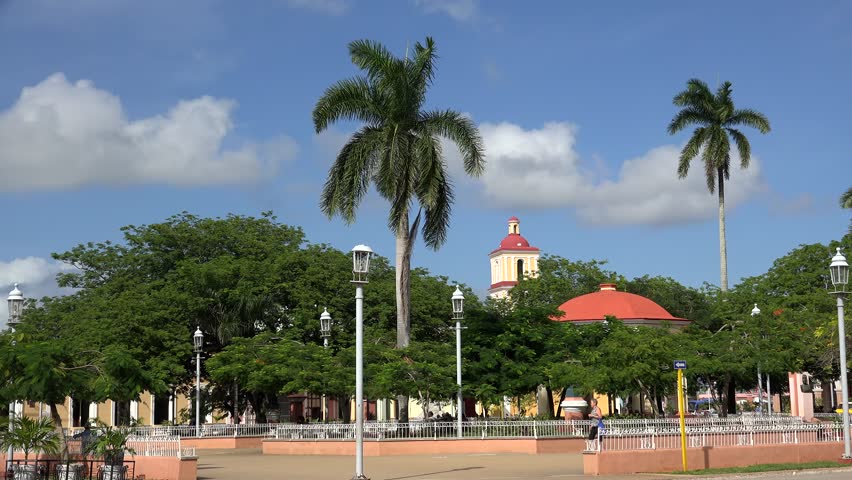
(520, 269)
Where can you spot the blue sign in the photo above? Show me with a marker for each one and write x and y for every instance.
(680, 364)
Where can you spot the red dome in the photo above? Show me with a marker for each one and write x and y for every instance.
(513, 219)
(515, 241)
(609, 302)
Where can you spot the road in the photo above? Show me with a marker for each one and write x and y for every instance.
(252, 465)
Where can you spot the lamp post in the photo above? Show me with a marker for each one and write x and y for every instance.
(325, 332)
(360, 269)
(839, 278)
(325, 326)
(458, 315)
(755, 312)
(198, 344)
(16, 306)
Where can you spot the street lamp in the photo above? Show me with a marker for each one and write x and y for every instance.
(198, 344)
(839, 278)
(360, 268)
(755, 312)
(458, 315)
(16, 306)
(325, 332)
(325, 326)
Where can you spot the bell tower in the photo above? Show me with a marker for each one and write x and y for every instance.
(511, 261)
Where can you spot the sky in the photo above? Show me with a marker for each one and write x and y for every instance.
(117, 112)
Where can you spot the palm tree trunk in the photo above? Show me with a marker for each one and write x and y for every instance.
(404, 241)
(723, 245)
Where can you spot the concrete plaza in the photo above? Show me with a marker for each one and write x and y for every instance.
(251, 464)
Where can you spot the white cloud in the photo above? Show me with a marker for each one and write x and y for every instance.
(330, 7)
(64, 135)
(459, 10)
(36, 277)
(540, 168)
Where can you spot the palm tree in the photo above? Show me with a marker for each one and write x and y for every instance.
(398, 150)
(716, 119)
(31, 435)
(846, 199)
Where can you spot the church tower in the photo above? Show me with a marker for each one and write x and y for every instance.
(513, 259)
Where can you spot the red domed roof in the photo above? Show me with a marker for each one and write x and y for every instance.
(513, 219)
(515, 241)
(609, 302)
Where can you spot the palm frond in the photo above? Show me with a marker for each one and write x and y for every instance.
(422, 69)
(696, 94)
(372, 57)
(461, 131)
(749, 118)
(689, 116)
(400, 184)
(350, 99)
(846, 199)
(743, 146)
(349, 176)
(438, 214)
(429, 165)
(691, 150)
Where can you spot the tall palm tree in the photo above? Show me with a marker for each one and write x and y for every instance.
(398, 150)
(715, 118)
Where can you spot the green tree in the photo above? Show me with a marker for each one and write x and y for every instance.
(399, 150)
(846, 199)
(716, 118)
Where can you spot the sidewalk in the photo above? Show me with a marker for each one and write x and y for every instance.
(252, 465)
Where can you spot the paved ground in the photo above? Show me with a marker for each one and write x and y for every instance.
(252, 465)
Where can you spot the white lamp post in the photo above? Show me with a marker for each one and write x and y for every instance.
(755, 312)
(325, 332)
(458, 315)
(325, 326)
(839, 278)
(198, 344)
(16, 306)
(360, 269)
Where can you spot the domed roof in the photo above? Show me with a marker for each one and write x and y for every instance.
(608, 301)
(514, 240)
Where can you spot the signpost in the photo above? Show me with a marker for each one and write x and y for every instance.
(680, 366)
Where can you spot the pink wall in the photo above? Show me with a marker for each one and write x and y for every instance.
(425, 447)
(155, 468)
(659, 461)
(222, 442)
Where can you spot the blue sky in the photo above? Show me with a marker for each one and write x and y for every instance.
(116, 112)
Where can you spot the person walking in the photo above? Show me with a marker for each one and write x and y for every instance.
(597, 415)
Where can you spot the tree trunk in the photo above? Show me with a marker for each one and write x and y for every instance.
(723, 244)
(543, 401)
(57, 426)
(730, 397)
(404, 243)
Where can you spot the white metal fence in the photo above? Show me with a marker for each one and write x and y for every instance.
(697, 436)
(436, 430)
(168, 446)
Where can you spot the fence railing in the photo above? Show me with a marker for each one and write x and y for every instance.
(159, 447)
(435, 430)
(719, 436)
(470, 428)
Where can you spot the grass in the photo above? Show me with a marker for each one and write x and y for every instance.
(770, 467)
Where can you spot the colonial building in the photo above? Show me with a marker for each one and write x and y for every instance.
(510, 261)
